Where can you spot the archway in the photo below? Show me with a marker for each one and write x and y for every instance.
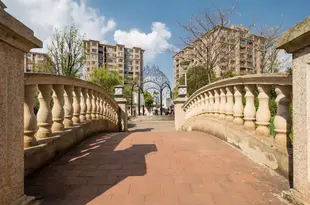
(154, 79)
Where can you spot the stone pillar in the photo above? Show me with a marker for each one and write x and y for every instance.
(83, 105)
(263, 112)
(282, 120)
(238, 106)
(249, 109)
(68, 106)
(222, 104)
(93, 105)
(44, 115)
(229, 104)
(122, 112)
(216, 102)
(98, 106)
(211, 103)
(76, 105)
(296, 40)
(101, 106)
(30, 120)
(206, 104)
(15, 40)
(89, 104)
(58, 110)
(179, 111)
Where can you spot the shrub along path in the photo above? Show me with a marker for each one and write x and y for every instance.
(152, 164)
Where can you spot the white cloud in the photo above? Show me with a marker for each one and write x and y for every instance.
(43, 16)
(153, 43)
(285, 60)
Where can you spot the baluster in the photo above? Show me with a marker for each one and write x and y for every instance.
(58, 110)
(30, 120)
(68, 106)
(89, 104)
(216, 103)
(206, 104)
(238, 106)
(197, 106)
(83, 105)
(101, 106)
(190, 109)
(98, 106)
(211, 103)
(249, 110)
(222, 104)
(282, 120)
(199, 100)
(76, 105)
(263, 112)
(229, 104)
(94, 106)
(104, 109)
(44, 115)
(202, 104)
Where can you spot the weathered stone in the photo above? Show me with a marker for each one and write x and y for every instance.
(15, 40)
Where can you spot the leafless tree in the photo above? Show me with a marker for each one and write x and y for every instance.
(208, 35)
(214, 43)
(67, 52)
(271, 34)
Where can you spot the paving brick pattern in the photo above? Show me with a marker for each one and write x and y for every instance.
(155, 168)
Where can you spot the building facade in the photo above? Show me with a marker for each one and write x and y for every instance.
(127, 61)
(235, 48)
(31, 59)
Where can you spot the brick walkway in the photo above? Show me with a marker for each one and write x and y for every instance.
(160, 168)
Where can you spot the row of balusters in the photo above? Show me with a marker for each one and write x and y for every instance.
(71, 105)
(226, 103)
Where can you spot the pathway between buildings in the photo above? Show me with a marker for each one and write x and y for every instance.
(153, 165)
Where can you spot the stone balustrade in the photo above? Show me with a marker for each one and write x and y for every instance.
(237, 110)
(64, 102)
(224, 100)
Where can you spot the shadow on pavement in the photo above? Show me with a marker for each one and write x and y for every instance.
(89, 170)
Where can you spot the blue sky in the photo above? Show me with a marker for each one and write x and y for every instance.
(140, 14)
(132, 22)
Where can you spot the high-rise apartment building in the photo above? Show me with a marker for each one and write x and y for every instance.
(31, 59)
(235, 47)
(128, 61)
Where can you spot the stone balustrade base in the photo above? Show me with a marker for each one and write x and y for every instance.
(261, 149)
(59, 143)
(295, 198)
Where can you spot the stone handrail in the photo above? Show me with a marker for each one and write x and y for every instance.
(224, 100)
(75, 101)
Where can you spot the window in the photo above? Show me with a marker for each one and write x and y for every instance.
(120, 60)
(94, 50)
(94, 62)
(28, 54)
(137, 73)
(94, 43)
(137, 61)
(120, 65)
(87, 69)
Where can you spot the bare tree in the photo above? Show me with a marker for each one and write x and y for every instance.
(270, 61)
(212, 40)
(215, 43)
(66, 51)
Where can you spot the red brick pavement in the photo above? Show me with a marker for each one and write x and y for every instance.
(160, 168)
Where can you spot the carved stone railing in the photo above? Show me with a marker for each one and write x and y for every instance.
(224, 100)
(238, 110)
(65, 102)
